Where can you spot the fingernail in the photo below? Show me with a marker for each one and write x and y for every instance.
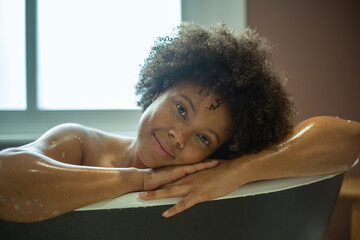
(166, 213)
(144, 194)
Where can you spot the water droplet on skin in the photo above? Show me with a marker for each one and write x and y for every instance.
(63, 155)
(16, 206)
(41, 205)
(28, 203)
(337, 116)
(40, 219)
(53, 143)
(35, 200)
(56, 212)
(12, 199)
(349, 121)
(78, 138)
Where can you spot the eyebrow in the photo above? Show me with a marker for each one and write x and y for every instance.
(190, 102)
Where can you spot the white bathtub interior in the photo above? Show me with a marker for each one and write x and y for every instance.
(131, 200)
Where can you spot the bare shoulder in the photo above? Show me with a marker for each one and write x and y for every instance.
(62, 143)
(74, 144)
(332, 122)
(333, 128)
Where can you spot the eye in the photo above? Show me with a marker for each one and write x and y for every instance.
(181, 110)
(205, 139)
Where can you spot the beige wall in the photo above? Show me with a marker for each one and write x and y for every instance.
(317, 42)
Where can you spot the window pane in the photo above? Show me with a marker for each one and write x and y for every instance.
(12, 55)
(89, 52)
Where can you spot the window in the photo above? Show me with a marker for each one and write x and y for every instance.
(12, 57)
(78, 60)
(89, 54)
(82, 62)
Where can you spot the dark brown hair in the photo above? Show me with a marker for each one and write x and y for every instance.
(236, 66)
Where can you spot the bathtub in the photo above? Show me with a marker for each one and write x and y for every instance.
(281, 209)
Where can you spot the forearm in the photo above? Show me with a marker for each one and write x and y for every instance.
(316, 146)
(34, 187)
(321, 145)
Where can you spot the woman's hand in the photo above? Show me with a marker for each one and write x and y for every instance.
(336, 150)
(155, 178)
(198, 187)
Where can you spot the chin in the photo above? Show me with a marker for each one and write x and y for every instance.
(146, 160)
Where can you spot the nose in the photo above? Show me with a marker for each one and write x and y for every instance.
(178, 137)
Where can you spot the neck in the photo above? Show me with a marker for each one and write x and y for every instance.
(131, 157)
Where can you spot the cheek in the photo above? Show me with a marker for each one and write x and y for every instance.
(143, 123)
(164, 117)
(146, 155)
(149, 120)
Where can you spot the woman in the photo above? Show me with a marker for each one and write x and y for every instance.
(206, 94)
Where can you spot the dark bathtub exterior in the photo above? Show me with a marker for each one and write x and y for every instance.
(299, 213)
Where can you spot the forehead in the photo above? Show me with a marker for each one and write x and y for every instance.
(199, 95)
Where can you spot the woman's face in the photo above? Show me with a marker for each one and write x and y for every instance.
(184, 125)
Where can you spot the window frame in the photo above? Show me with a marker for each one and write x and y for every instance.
(27, 125)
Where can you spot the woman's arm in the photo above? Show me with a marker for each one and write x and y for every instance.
(34, 187)
(320, 145)
(44, 179)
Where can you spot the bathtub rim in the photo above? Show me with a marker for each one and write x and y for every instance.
(132, 200)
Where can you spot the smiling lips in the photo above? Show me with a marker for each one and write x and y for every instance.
(161, 149)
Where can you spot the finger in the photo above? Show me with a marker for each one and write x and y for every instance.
(190, 169)
(168, 192)
(209, 163)
(217, 160)
(184, 204)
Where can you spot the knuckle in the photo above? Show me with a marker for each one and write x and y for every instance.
(182, 204)
(151, 194)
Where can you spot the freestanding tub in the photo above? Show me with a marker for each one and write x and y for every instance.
(281, 209)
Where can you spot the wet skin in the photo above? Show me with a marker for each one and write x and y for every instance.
(181, 127)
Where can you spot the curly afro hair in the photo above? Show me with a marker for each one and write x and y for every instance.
(237, 67)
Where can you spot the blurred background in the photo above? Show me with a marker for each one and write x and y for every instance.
(77, 61)
(317, 44)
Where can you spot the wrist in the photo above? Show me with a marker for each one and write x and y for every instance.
(239, 170)
(134, 178)
(251, 167)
